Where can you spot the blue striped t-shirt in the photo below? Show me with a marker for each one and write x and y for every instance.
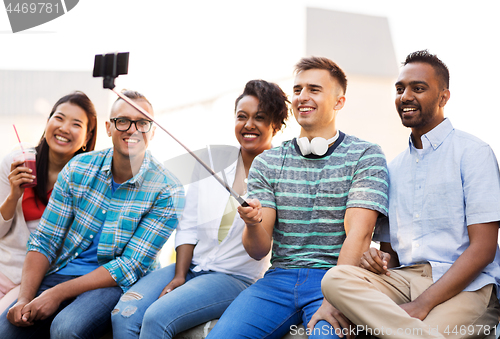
(310, 195)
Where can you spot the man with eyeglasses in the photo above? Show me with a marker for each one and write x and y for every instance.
(109, 214)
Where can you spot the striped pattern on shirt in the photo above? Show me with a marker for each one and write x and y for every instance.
(311, 194)
(137, 219)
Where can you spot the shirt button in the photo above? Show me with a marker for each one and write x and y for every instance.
(91, 236)
(417, 160)
(417, 245)
(435, 145)
(103, 212)
(417, 216)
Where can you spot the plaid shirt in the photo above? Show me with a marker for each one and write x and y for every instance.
(136, 220)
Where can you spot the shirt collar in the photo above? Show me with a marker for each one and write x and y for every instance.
(106, 165)
(137, 179)
(435, 137)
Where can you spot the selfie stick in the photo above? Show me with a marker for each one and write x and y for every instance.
(99, 71)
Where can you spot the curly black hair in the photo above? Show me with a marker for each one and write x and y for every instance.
(272, 100)
(439, 67)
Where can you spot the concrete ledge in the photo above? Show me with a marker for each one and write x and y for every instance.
(201, 331)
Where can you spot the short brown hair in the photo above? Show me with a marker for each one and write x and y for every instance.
(315, 62)
(133, 95)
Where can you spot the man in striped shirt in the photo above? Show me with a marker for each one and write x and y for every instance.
(314, 210)
(110, 213)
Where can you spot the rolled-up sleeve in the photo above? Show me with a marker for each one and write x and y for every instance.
(56, 219)
(370, 182)
(150, 235)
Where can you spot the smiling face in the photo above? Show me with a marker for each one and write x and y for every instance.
(252, 127)
(66, 130)
(131, 143)
(420, 98)
(316, 99)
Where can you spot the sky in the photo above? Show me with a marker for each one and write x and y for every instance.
(185, 52)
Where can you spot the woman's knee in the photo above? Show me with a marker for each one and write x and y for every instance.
(158, 322)
(62, 328)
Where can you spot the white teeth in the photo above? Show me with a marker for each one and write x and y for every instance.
(409, 109)
(249, 136)
(60, 138)
(132, 141)
(306, 109)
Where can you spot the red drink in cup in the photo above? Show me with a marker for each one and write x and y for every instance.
(30, 163)
(29, 157)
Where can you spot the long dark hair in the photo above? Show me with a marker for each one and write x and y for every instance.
(42, 150)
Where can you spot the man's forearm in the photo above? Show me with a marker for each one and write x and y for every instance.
(35, 267)
(98, 278)
(358, 224)
(466, 268)
(256, 241)
(454, 281)
(257, 237)
(353, 248)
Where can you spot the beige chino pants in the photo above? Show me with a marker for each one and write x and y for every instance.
(371, 301)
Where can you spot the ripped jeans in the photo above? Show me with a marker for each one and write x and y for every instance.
(204, 296)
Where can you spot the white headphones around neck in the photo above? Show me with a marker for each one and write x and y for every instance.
(317, 146)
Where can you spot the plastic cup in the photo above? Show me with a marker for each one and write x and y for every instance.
(29, 157)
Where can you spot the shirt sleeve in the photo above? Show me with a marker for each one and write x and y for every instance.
(187, 231)
(258, 183)
(150, 235)
(4, 193)
(481, 185)
(370, 182)
(382, 232)
(57, 218)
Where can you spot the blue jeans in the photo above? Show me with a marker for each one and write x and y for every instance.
(86, 316)
(203, 297)
(270, 307)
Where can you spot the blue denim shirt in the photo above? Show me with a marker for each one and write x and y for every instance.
(435, 195)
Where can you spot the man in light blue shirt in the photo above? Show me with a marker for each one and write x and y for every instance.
(437, 271)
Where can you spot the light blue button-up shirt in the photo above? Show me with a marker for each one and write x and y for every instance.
(434, 194)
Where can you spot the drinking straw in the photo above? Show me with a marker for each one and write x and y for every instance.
(15, 130)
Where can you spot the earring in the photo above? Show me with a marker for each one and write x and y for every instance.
(84, 148)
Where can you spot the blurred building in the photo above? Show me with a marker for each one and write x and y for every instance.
(362, 46)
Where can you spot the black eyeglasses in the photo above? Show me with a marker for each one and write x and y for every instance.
(123, 124)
